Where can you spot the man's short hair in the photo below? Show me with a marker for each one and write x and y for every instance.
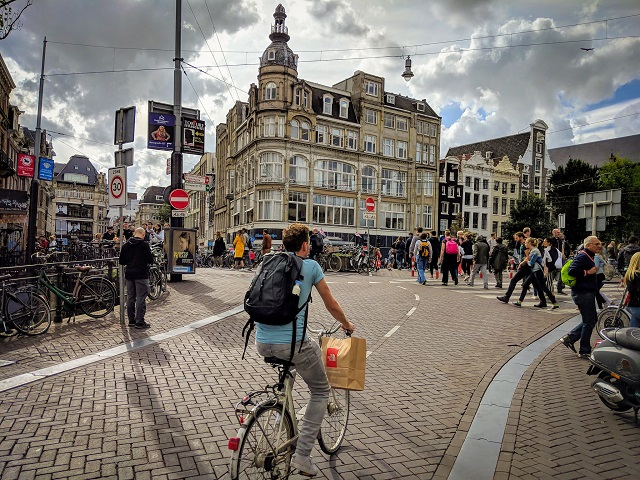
(140, 231)
(110, 227)
(434, 233)
(294, 236)
(499, 240)
(420, 229)
(519, 234)
(265, 231)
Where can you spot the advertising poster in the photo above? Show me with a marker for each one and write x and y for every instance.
(193, 136)
(26, 165)
(45, 171)
(161, 131)
(184, 251)
(61, 209)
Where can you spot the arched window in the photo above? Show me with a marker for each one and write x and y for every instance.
(271, 165)
(295, 129)
(368, 179)
(270, 91)
(305, 131)
(344, 108)
(298, 170)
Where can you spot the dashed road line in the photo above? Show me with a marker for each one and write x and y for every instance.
(410, 312)
(392, 331)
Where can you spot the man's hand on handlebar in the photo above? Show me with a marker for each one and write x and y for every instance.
(348, 328)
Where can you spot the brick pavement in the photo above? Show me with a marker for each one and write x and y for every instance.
(165, 411)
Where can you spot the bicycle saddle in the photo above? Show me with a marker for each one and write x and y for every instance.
(83, 268)
(278, 361)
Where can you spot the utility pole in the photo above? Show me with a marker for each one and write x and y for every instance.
(176, 157)
(32, 226)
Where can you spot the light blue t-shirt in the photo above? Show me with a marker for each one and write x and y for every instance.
(312, 274)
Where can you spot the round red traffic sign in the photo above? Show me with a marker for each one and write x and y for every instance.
(179, 199)
(116, 186)
(370, 204)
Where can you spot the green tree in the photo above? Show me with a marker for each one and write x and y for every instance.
(529, 211)
(164, 213)
(565, 184)
(623, 174)
(10, 20)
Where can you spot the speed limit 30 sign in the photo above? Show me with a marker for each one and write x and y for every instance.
(118, 187)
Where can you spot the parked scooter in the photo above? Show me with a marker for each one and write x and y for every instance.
(616, 361)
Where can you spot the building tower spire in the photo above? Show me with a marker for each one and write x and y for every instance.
(279, 31)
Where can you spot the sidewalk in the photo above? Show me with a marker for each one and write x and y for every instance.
(165, 410)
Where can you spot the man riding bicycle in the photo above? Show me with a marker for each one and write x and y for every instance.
(275, 341)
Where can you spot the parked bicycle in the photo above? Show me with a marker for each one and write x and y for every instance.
(22, 310)
(268, 430)
(614, 316)
(157, 272)
(94, 295)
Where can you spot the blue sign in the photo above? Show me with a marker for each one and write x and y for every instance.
(45, 170)
(161, 131)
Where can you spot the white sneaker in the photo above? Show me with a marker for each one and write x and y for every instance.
(304, 465)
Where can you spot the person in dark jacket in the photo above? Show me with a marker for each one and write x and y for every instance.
(480, 260)
(136, 256)
(435, 252)
(219, 247)
(584, 269)
(625, 254)
(498, 260)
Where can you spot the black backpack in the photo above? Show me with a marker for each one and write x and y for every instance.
(271, 299)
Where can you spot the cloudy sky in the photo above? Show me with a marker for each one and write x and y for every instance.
(488, 67)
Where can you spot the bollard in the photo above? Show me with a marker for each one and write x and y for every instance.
(437, 274)
(413, 267)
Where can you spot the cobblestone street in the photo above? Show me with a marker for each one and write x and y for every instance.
(159, 403)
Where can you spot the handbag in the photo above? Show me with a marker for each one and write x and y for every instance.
(345, 361)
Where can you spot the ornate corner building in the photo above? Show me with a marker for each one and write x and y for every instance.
(299, 151)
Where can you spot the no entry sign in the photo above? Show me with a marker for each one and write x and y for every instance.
(370, 204)
(179, 199)
(118, 187)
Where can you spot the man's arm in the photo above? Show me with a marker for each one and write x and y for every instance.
(333, 306)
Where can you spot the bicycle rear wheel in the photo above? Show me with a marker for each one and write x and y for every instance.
(334, 424)
(28, 311)
(334, 263)
(613, 317)
(256, 457)
(97, 297)
(155, 283)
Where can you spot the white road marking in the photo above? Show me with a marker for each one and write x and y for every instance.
(368, 353)
(410, 312)
(392, 331)
(417, 297)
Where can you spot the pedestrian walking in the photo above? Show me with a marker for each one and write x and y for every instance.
(449, 258)
(563, 246)
(584, 269)
(317, 244)
(498, 260)
(480, 261)
(399, 246)
(421, 254)
(536, 278)
(524, 270)
(467, 255)
(238, 251)
(625, 254)
(435, 252)
(219, 248)
(136, 255)
(266, 242)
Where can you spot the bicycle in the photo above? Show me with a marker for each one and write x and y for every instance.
(24, 310)
(157, 273)
(95, 295)
(268, 430)
(614, 316)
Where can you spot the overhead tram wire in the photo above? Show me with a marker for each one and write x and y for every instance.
(197, 96)
(212, 76)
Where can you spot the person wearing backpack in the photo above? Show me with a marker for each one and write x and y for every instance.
(422, 253)
(435, 252)
(317, 245)
(584, 270)
(276, 340)
(449, 258)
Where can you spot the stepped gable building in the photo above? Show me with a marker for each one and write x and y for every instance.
(306, 152)
(527, 152)
(598, 153)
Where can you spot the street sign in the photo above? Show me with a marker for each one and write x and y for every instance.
(369, 216)
(118, 187)
(178, 213)
(124, 157)
(188, 177)
(125, 125)
(45, 170)
(370, 204)
(179, 199)
(195, 187)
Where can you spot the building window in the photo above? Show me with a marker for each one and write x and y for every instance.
(504, 188)
(476, 184)
(420, 127)
(513, 188)
(327, 104)
(538, 166)
(371, 116)
(361, 221)
(444, 208)
(368, 179)
(391, 99)
(495, 205)
(504, 206)
(496, 185)
(271, 167)
(485, 200)
(297, 207)
(305, 131)
(370, 143)
(270, 91)
(389, 120)
(402, 124)
(344, 108)
(467, 181)
(525, 180)
(420, 107)
(387, 147)
(432, 154)
(476, 199)
(428, 184)
(371, 88)
(271, 55)
(424, 217)
(305, 99)
(322, 135)
(433, 130)
(295, 129)
(467, 198)
(495, 228)
(402, 149)
(270, 205)
(512, 204)
(273, 126)
(298, 96)
(483, 221)
(485, 184)
(393, 182)
(536, 182)
(418, 153)
(352, 140)
(337, 137)
(333, 210)
(456, 209)
(334, 174)
(392, 215)
(474, 224)
(298, 170)
(465, 217)
(539, 148)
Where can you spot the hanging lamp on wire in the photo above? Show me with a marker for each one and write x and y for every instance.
(407, 74)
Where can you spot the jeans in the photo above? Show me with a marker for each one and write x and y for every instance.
(635, 316)
(420, 264)
(523, 272)
(137, 291)
(482, 268)
(586, 302)
(399, 260)
(539, 286)
(309, 365)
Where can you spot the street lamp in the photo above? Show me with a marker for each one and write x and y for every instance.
(407, 74)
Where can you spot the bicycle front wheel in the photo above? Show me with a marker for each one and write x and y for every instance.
(613, 317)
(28, 311)
(257, 456)
(155, 283)
(334, 263)
(96, 297)
(334, 424)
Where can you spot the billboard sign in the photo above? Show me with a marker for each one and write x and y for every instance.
(193, 136)
(181, 252)
(161, 131)
(26, 165)
(45, 170)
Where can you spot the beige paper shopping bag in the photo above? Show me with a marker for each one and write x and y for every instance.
(345, 361)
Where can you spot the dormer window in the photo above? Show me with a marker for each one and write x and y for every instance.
(270, 91)
(271, 55)
(75, 167)
(420, 107)
(327, 105)
(391, 99)
(344, 108)
(487, 155)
